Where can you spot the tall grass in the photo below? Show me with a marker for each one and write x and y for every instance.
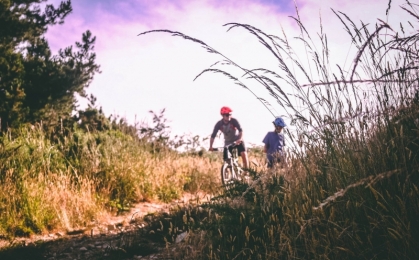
(351, 188)
(67, 182)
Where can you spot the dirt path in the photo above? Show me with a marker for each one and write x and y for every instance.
(116, 237)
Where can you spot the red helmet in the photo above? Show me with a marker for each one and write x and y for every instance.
(225, 110)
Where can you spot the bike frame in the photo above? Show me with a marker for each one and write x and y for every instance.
(231, 158)
(231, 165)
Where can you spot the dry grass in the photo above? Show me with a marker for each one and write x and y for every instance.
(351, 187)
(69, 183)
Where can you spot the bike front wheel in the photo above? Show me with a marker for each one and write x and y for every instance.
(227, 177)
(230, 174)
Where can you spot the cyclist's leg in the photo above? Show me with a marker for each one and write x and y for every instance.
(245, 159)
(270, 163)
(241, 149)
(230, 150)
(278, 160)
(226, 154)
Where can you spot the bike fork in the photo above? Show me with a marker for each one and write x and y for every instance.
(233, 173)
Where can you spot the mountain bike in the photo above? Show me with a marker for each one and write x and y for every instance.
(231, 171)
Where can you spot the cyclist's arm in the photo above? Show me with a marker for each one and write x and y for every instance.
(211, 143)
(214, 134)
(239, 140)
(236, 124)
(266, 142)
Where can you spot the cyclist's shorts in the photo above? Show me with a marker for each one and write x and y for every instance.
(240, 148)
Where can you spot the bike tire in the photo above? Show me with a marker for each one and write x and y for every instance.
(239, 172)
(226, 175)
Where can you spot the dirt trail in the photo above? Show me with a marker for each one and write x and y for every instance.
(104, 239)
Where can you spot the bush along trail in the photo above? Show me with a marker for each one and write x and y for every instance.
(62, 168)
(70, 184)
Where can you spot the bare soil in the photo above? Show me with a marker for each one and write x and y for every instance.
(124, 236)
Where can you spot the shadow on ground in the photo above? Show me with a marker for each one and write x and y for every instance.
(121, 245)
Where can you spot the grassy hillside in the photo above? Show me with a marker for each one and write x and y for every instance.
(351, 188)
(362, 204)
(70, 180)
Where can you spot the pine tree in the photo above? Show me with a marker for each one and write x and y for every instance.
(34, 84)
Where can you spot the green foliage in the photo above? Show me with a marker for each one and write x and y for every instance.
(65, 181)
(93, 119)
(30, 163)
(36, 86)
(52, 82)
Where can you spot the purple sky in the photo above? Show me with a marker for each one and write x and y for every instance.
(156, 71)
(132, 9)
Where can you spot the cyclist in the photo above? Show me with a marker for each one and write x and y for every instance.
(233, 133)
(274, 143)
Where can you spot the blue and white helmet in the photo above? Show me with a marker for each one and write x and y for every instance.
(279, 122)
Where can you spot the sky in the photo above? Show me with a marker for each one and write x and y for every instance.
(156, 71)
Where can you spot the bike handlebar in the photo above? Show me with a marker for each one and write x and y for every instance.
(216, 149)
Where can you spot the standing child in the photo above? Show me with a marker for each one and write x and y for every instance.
(274, 143)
